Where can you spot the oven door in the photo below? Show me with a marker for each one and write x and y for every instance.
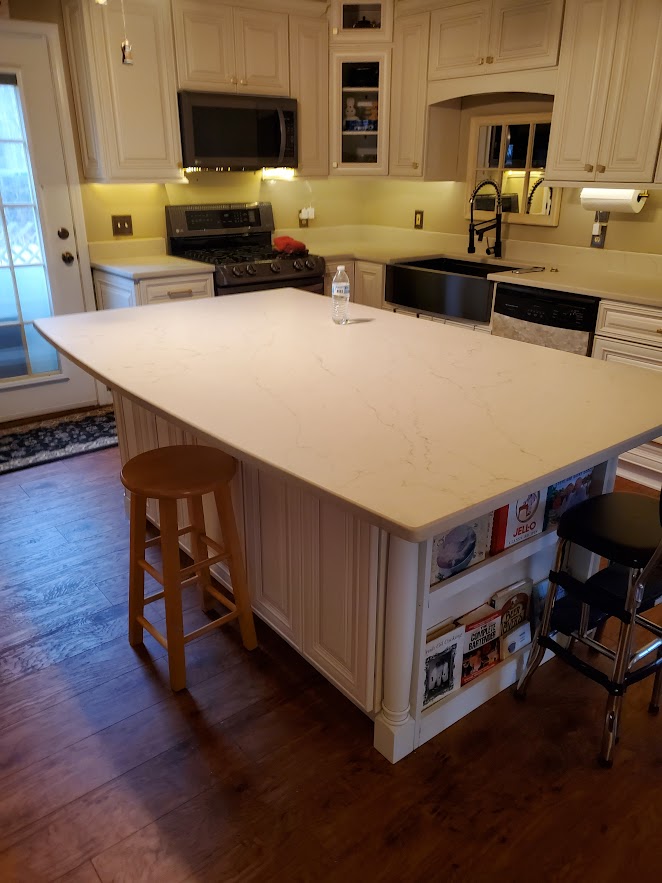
(314, 284)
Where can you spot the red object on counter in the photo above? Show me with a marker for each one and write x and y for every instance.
(288, 245)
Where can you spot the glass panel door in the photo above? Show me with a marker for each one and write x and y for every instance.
(24, 288)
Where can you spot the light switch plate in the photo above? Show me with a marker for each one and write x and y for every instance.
(122, 225)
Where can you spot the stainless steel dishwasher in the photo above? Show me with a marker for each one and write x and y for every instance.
(554, 319)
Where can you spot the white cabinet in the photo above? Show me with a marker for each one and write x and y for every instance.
(309, 77)
(360, 111)
(408, 95)
(230, 49)
(113, 291)
(485, 36)
(126, 113)
(369, 284)
(330, 271)
(607, 114)
(629, 334)
(362, 22)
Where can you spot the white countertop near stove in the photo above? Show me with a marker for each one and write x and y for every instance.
(151, 266)
(414, 426)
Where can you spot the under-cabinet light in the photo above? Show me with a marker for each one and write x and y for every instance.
(278, 174)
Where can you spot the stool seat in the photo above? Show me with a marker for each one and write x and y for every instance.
(621, 527)
(177, 472)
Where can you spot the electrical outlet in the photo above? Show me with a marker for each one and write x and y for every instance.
(598, 239)
(122, 225)
(418, 220)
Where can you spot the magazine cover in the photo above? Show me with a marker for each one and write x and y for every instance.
(481, 641)
(518, 521)
(443, 663)
(460, 547)
(514, 602)
(565, 494)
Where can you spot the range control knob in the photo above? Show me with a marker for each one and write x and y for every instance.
(298, 265)
(237, 271)
(251, 269)
(275, 267)
(310, 264)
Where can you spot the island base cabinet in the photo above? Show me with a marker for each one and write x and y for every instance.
(313, 568)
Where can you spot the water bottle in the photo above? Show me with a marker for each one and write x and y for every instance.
(340, 296)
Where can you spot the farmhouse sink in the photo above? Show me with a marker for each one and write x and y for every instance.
(443, 287)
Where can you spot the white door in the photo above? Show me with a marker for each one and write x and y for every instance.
(39, 268)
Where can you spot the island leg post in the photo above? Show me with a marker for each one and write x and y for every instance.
(394, 726)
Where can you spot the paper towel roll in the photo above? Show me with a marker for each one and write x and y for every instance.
(612, 199)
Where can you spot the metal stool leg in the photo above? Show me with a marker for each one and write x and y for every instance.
(654, 706)
(137, 524)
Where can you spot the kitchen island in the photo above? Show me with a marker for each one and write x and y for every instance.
(358, 444)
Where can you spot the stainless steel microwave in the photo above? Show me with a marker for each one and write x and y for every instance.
(237, 132)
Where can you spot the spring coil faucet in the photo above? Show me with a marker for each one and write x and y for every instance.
(482, 227)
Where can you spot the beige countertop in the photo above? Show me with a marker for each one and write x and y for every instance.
(151, 266)
(414, 426)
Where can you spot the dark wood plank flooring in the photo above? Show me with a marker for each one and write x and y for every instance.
(262, 770)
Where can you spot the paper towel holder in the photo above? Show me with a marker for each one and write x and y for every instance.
(603, 200)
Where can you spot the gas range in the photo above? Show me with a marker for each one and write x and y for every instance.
(236, 239)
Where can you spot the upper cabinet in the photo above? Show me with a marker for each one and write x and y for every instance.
(229, 49)
(126, 112)
(486, 36)
(309, 76)
(361, 22)
(408, 95)
(607, 113)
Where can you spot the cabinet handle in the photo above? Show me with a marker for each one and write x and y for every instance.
(588, 167)
(414, 165)
(600, 169)
(658, 330)
(180, 292)
(489, 59)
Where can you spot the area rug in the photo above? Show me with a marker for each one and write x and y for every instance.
(36, 443)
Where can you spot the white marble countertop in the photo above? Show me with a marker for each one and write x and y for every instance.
(415, 426)
(151, 266)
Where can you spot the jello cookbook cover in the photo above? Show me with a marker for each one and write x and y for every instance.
(520, 520)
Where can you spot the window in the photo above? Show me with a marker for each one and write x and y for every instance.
(512, 151)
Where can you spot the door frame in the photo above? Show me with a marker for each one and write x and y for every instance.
(50, 32)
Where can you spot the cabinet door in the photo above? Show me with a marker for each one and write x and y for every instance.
(138, 101)
(459, 40)
(204, 45)
(359, 107)
(409, 90)
(631, 135)
(363, 23)
(525, 34)
(369, 284)
(330, 271)
(261, 45)
(113, 292)
(587, 48)
(309, 77)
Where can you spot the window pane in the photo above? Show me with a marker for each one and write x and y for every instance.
(517, 144)
(489, 146)
(13, 362)
(8, 309)
(23, 236)
(512, 191)
(43, 357)
(33, 293)
(540, 145)
(10, 120)
(14, 174)
(4, 256)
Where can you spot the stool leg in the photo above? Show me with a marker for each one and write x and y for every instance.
(236, 563)
(138, 518)
(172, 594)
(197, 518)
(654, 706)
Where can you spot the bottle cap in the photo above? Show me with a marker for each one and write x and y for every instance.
(341, 266)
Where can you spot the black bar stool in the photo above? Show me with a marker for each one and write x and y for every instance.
(625, 529)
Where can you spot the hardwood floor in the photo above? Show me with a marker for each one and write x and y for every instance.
(262, 770)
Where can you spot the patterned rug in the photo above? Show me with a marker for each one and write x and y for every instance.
(48, 440)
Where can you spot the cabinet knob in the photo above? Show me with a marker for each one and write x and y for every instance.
(414, 165)
(489, 59)
(243, 83)
(233, 80)
(335, 165)
(588, 167)
(600, 169)
(481, 61)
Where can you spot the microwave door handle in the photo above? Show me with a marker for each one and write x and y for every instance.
(283, 135)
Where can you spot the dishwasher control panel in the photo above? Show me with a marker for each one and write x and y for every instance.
(557, 309)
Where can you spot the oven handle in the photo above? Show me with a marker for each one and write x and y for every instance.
(283, 136)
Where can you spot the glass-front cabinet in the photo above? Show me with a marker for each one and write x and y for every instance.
(512, 151)
(359, 112)
(362, 22)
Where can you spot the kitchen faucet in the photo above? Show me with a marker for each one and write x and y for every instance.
(482, 227)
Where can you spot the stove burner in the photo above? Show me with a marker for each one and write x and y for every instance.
(247, 254)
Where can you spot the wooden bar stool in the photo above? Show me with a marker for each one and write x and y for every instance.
(168, 475)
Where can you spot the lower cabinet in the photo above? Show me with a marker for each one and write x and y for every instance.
(313, 568)
(369, 281)
(113, 291)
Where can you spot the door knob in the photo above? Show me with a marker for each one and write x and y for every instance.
(68, 258)
(63, 233)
